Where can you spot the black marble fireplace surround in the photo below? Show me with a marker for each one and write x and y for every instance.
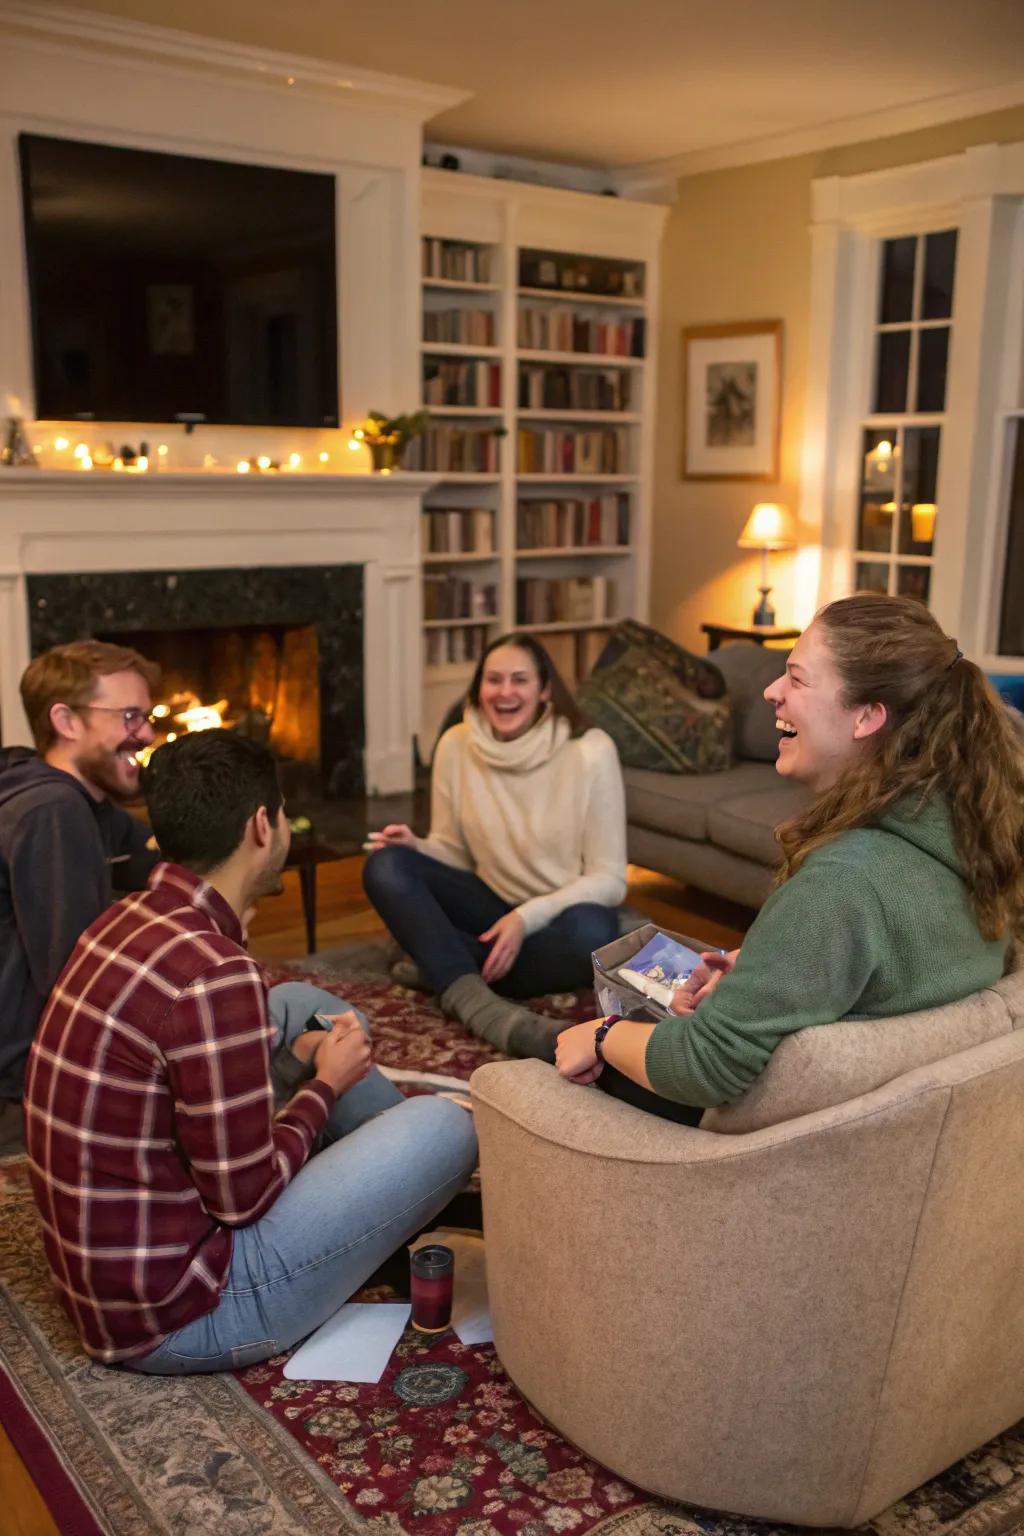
(116, 603)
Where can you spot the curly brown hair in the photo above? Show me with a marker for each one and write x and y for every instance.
(947, 733)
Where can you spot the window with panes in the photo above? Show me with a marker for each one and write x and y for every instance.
(902, 434)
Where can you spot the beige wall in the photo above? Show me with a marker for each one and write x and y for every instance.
(737, 247)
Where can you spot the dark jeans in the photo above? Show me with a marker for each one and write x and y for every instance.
(618, 1086)
(436, 913)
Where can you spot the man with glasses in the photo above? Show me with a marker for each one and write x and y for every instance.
(65, 842)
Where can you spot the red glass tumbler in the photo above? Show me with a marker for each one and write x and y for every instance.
(432, 1277)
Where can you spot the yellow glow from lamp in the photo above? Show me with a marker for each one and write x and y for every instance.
(243, 466)
(324, 458)
(61, 443)
(922, 522)
(353, 446)
(142, 463)
(162, 451)
(81, 451)
(263, 461)
(85, 462)
(295, 459)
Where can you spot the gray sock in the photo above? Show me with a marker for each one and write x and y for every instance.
(506, 1025)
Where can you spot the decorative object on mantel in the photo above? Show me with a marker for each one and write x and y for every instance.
(769, 526)
(387, 436)
(731, 401)
(16, 452)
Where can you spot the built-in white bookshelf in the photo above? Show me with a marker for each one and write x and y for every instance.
(542, 395)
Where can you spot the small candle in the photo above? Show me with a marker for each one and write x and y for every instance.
(432, 1278)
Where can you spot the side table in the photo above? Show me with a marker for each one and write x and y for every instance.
(304, 855)
(759, 633)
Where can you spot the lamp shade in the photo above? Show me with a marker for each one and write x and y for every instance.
(769, 526)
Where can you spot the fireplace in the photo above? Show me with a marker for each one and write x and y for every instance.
(274, 653)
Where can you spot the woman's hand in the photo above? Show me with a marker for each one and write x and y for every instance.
(395, 834)
(575, 1055)
(506, 940)
(703, 981)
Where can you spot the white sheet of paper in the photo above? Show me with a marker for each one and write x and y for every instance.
(353, 1345)
(471, 1317)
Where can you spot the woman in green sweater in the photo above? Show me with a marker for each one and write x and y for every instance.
(899, 888)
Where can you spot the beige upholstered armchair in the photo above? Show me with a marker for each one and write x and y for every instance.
(801, 1315)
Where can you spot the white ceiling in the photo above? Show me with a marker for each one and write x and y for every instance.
(620, 83)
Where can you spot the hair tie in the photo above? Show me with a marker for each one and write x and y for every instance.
(958, 657)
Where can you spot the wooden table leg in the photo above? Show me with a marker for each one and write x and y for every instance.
(307, 884)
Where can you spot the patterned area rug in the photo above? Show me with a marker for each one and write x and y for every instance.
(442, 1446)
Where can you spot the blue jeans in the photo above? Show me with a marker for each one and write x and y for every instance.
(436, 913)
(394, 1164)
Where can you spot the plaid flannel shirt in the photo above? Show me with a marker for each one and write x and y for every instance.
(149, 1115)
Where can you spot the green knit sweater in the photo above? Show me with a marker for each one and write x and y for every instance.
(876, 923)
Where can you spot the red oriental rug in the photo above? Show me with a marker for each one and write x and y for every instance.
(443, 1445)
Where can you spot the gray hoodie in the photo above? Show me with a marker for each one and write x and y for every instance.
(62, 855)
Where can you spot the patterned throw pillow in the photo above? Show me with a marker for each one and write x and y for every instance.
(664, 709)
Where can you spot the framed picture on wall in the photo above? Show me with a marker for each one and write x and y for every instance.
(732, 407)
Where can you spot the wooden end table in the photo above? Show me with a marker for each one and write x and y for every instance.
(759, 633)
(306, 854)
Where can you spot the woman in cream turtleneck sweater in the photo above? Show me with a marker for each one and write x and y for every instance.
(524, 868)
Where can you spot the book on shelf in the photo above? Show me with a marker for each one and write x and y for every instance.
(459, 327)
(573, 523)
(459, 530)
(563, 599)
(564, 330)
(573, 450)
(554, 387)
(569, 273)
(454, 450)
(449, 647)
(455, 261)
(461, 383)
(456, 597)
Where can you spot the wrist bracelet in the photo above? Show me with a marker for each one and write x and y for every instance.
(600, 1032)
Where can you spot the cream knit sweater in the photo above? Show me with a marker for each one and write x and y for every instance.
(541, 820)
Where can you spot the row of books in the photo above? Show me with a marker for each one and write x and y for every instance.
(573, 450)
(469, 383)
(564, 330)
(455, 261)
(456, 597)
(446, 647)
(543, 387)
(463, 327)
(564, 599)
(573, 524)
(583, 274)
(459, 530)
(454, 450)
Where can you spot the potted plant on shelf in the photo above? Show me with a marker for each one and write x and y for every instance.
(386, 437)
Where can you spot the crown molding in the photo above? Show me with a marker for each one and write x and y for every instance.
(848, 130)
(69, 27)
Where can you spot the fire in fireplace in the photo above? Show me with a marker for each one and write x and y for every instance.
(276, 653)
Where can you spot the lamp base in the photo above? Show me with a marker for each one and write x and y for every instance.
(764, 613)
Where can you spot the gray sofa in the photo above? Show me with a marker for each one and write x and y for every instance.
(716, 830)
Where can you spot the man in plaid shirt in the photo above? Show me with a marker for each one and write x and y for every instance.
(187, 1225)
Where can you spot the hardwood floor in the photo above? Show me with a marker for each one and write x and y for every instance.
(278, 933)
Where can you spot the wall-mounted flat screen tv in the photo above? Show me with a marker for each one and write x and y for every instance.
(173, 288)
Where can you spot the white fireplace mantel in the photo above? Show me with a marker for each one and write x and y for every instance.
(52, 522)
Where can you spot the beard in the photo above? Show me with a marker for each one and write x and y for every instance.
(105, 768)
(269, 882)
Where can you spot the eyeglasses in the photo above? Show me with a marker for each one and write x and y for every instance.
(132, 716)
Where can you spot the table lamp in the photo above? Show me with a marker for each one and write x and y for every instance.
(769, 526)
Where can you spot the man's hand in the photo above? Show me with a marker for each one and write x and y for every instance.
(575, 1056)
(396, 834)
(344, 1056)
(703, 981)
(506, 940)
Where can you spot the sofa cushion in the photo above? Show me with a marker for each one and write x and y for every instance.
(745, 824)
(678, 804)
(829, 1064)
(748, 669)
(665, 709)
